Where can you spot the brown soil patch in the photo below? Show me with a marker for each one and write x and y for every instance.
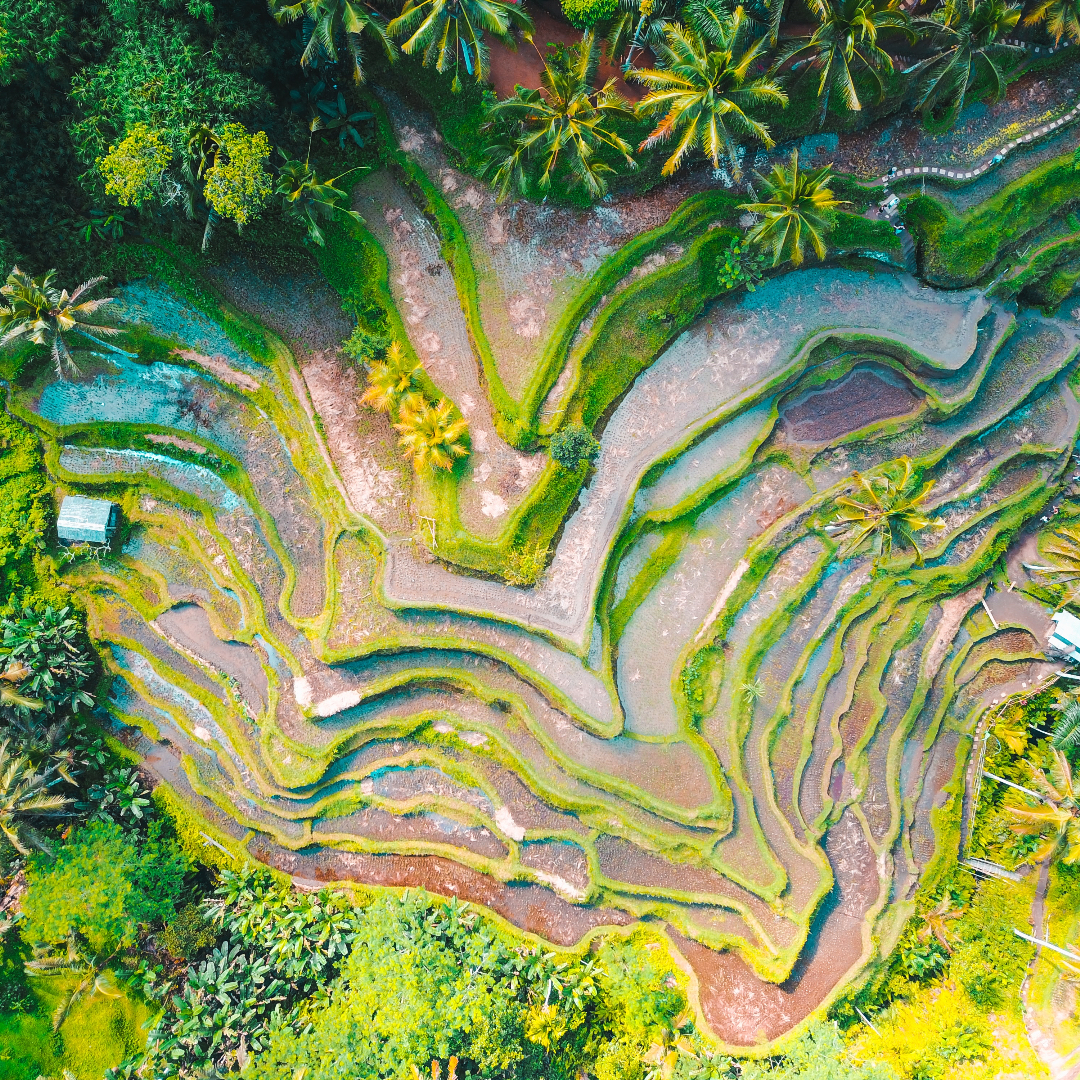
(524, 66)
(218, 365)
(180, 444)
(533, 908)
(862, 397)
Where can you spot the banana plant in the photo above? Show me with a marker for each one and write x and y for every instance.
(306, 198)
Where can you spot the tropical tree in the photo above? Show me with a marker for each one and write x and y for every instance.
(936, 923)
(795, 208)
(226, 168)
(328, 22)
(42, 653)
(25, 798)
(1064, 545)
(430, 435)
(703, 90)
(563, 123)
(306, 198)
(75, 960)
(449, 32)
(393, 383)
(40, 312)
(965, 36)
(1061, 17)
(1066, 733)
(1057, 818)
(845, 44)
(886, 513)
(639, 25)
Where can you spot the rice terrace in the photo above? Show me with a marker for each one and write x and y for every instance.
(662, 560)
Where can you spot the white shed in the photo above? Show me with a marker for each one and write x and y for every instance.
(87, 521)
(1064, 639)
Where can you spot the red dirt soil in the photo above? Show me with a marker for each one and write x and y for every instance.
(524, 67)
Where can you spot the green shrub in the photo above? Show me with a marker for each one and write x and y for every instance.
(586, 13)
(103, 884)
(573, 446)
(188, 934)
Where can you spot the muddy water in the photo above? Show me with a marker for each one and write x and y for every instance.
(740, 1008)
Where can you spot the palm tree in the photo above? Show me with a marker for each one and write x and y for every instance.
(702, 86)
(39, 312)
(393, 382)
(430, 435)
(796, 208)
(329, 21)
(1064, 544)
(564, 122)
(846, 42)
(639, 25)
(307, 198)
(75, 961)
(1057, 818)
(888, 513)
(935, 923)
(964, 33)
(1066, 732)
(451, 31)
(1062, 19)
(24, 796)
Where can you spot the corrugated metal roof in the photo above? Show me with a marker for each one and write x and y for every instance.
(86, 519)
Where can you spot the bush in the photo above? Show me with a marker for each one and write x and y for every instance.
(573, 445)
(188, 934)
(102, 886)
(586, 13)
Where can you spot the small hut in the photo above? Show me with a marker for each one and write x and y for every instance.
(1064, 638)
(87, 521)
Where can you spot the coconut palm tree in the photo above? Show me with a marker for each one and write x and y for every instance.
(795, 209)
(449, 32)
(844, 44)
(965, 37)
(430, 435)
(328, 22)
(1066, 733)
(24, 797)
(1061, 17)
(39, 312)
(76, 960)
(639, 24)
(306, 198)
(1064, 545)
(1057, 818)
(703, 87)
(935, 923)
(393, 382)
(887, 513)
(564, 123)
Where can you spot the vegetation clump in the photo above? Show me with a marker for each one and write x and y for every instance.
(574, 446)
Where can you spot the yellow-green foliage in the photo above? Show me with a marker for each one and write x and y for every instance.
(967, 1023)
(132, 168)
(961, 249)
(238, 186)
(939, 1034)
(25, 510)
(98, 1034)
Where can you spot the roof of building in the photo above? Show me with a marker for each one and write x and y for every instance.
(86, 519)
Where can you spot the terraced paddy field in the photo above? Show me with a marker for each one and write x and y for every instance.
(700, 715)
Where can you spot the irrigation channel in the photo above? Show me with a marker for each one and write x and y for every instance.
(699, 716)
